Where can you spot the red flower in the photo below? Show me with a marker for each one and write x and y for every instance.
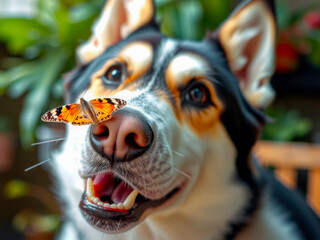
(312, 19)
(287, 57)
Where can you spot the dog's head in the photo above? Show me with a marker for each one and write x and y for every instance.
(182, 142)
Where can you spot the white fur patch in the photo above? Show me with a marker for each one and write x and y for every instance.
(187, 65)
(138, 57)
(167, 47)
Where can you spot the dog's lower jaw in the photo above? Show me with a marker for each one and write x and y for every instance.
(117, 221)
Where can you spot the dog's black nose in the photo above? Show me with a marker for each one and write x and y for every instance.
(124, 137)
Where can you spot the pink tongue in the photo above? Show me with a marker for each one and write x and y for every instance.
(103, 184)
(121, 192)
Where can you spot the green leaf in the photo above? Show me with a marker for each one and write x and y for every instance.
(15, 189)
(288, 125)
(20, 33)
(282, 14)
(215, 12)
(61, 17)
(47, 223)
(163, 3)
(17, 73)
(37, 98)
(37, 223)
(57, 89)
(189, 18)
(18, 88)
(82, 12)
(314, 56)
(46, 11)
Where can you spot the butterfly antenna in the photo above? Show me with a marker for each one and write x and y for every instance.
(85, 91)
(36, 165)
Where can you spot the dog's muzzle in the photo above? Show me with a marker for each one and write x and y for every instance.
(111, 195)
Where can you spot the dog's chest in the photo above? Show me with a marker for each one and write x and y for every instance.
(270, 222)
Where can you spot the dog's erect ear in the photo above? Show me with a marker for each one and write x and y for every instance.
(119, 18)
(248, 39)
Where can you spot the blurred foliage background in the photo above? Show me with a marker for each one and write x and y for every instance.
(37, 48)
(41, 48)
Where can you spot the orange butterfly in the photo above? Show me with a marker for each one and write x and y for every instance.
(87, 112)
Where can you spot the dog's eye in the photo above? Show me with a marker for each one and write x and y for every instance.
(198, 94)
(114, 73)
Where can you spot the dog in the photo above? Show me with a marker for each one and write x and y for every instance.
(176, 161)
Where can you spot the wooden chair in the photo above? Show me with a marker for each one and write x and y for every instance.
(287, 159)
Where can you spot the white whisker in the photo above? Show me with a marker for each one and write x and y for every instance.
(48, 141)
(183, 173)
(177, 153)
(36, 165)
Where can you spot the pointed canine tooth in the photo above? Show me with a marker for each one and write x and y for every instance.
(128, 203)
(90, 188)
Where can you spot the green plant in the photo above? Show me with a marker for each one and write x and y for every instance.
(191, 19)
(44, 48)
(285, 125)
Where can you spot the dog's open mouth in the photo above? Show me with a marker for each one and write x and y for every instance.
(112, 205)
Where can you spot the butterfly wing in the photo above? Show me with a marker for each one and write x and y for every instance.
(66, 113)
(81, 120)
(104, 107)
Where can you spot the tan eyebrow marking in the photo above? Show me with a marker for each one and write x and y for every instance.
(186, 66)
(137, 58)
(183, 69)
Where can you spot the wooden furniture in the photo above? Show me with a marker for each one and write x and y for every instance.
(287, 159)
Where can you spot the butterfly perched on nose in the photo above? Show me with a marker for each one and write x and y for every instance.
(85, 112)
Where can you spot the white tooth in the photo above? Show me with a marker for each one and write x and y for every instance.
(114, 206)
(106, 205)
(120, 206)
(100, 203)
(96, 200)
(128, 203)
(90, 188)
